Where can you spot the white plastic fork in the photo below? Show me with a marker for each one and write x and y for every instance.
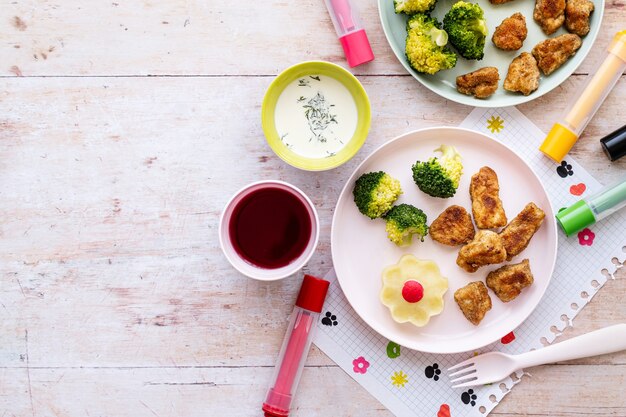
(495, 366)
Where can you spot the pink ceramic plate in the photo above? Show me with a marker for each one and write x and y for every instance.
(360, 248)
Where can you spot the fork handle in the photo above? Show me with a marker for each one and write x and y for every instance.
(607, 340)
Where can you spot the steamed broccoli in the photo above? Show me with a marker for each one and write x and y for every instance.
(413, 6)
(375, 192)
(439, 177)
(404, 221)
(467, 28)
(425, 45)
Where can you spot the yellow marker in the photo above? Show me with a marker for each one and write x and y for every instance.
(565, 133)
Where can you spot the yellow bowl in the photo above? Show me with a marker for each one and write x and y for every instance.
(316, 68)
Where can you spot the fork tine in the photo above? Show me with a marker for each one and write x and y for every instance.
(463, 372)
(470, 383)
(464, 378)
(470, 361)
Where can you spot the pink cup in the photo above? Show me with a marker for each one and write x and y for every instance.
(254, 271)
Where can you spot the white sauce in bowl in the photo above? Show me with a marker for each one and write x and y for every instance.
(315, 116)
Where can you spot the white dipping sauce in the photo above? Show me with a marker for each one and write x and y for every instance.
(315, 116)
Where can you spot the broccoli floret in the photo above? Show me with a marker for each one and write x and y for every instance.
(413, 6)
(375, 192)
(439, 177)
(467, 29)
(404, 221)
(425, 45)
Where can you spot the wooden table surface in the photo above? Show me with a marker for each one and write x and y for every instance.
(124, 128)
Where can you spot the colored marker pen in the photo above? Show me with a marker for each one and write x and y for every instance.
(295, 346)
(350, 31)
(599, 84)
(592, 209)
(614, 144)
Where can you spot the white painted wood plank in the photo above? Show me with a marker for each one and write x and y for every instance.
(179, 392)
(121, 37)
(588, 390)
(14, 393)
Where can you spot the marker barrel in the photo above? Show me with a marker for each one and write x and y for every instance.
(295, 347)
(594, 208)
(350, 31)
(598, 85)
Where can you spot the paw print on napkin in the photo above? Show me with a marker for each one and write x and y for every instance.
(468, 397)
(564, 170)
(433, 371)
(329, 319)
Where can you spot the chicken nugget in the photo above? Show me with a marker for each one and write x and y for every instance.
(480, 83)
(487, 248)
(474, 301)
(549, 14)
(511, 33)
(517, 234)
(508, 281)
(486, 205)
(577, 13)
(552, 53)
(523, 75)
(453, 227)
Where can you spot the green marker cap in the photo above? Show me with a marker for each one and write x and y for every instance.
(575, 218)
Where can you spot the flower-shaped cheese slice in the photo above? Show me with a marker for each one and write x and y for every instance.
(413, 290)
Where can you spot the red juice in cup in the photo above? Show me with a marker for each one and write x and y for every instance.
(270, 227)
(269, 230)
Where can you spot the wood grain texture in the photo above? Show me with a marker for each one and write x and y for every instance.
(115, 297)
(202, 391)
(186, 37)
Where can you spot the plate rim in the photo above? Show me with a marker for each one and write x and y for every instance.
(347, 187)
(485, 103)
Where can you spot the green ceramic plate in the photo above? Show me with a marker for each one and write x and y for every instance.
(443, 82)
(304, 69)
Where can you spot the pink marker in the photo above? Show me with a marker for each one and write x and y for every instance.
(351, 34)
(295, 346)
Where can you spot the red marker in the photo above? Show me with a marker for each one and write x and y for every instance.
(295, 346)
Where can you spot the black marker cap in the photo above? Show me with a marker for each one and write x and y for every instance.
(614, 144)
